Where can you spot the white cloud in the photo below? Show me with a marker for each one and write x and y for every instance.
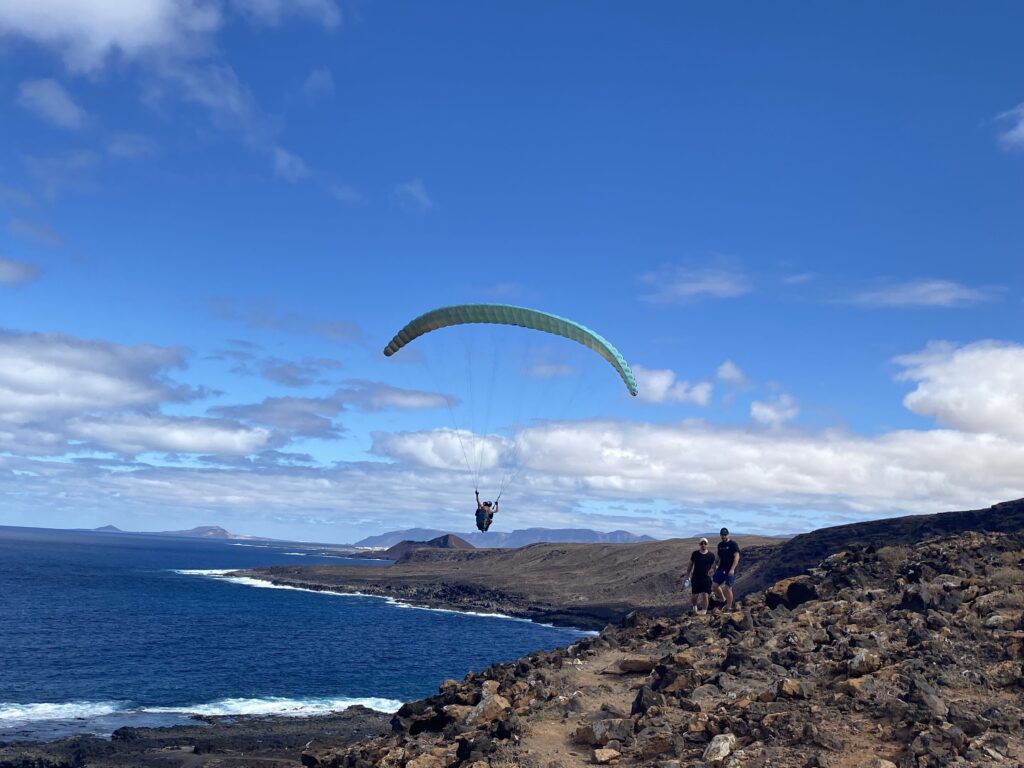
(924, 293)
(57, 174)
(372, 396)
(56, 389)
(730, 373)
(48, 100)
(976, 388)
(412, 196)
(35, 232)
(550, 370)
(1011, 137)
(48, 375)
(344, 193)
(140, 433)
(86, 33)
(319, 84)
(776, 412)
(680, 285)
(326, 12)
(172, 43)
(659, 385)
(266, 316)
(288, 166)
(445, 449)
(799, 278)
(16, 272)
(129, 146)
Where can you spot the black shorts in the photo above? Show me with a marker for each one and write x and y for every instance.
(701, 586)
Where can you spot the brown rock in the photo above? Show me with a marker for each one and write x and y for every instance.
(864, 663)
(491, 708)
(604, 756)
(791, 689)
(720, 747)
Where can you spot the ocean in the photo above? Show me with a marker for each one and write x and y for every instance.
(102, 630)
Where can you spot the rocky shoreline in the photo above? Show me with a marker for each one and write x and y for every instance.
(225, 742)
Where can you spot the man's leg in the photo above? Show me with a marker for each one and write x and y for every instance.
(728, 596)
(716, 590)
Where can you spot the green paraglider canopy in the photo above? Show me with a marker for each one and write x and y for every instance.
(505, 314)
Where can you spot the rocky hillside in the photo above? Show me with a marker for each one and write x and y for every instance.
(904, 656)
(803, 551)
(403, 548)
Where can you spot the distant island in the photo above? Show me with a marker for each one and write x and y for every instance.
(199, 532)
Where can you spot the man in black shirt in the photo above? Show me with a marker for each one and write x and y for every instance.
(701, 563)
(725, 573)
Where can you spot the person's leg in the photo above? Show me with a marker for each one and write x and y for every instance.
(693, 602)
(728, 596)
(703, 602)
(716, 587)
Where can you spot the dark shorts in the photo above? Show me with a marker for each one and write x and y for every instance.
(722, 577)
(701, 586)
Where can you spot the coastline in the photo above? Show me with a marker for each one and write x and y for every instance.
(577, 586)
(470, 601)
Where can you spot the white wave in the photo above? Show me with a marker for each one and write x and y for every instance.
(296, 554)
(261, 584)
(215, 572)
(11, 712)
(279, 706)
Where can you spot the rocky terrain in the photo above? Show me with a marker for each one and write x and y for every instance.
(807, 549)
(905, 656)
(580, 585)
(214, 742)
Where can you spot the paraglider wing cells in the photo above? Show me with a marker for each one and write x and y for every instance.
(505, 314)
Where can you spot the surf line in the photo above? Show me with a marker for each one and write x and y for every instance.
(224, 575)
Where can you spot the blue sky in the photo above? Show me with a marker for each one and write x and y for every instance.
(801, 224)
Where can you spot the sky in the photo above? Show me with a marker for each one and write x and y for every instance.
(800, 223)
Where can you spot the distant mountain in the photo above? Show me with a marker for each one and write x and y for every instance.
(510, 539)
(446, 541)
(199, 532)
(393, 537)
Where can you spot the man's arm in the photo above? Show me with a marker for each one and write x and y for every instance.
(735, 561)
(478, 504)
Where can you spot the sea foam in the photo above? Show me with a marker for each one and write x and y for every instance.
(261, 584)
(11, 712)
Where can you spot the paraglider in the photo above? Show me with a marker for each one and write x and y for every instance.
(506, 314)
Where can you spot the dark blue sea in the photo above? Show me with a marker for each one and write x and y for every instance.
(100, 630)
